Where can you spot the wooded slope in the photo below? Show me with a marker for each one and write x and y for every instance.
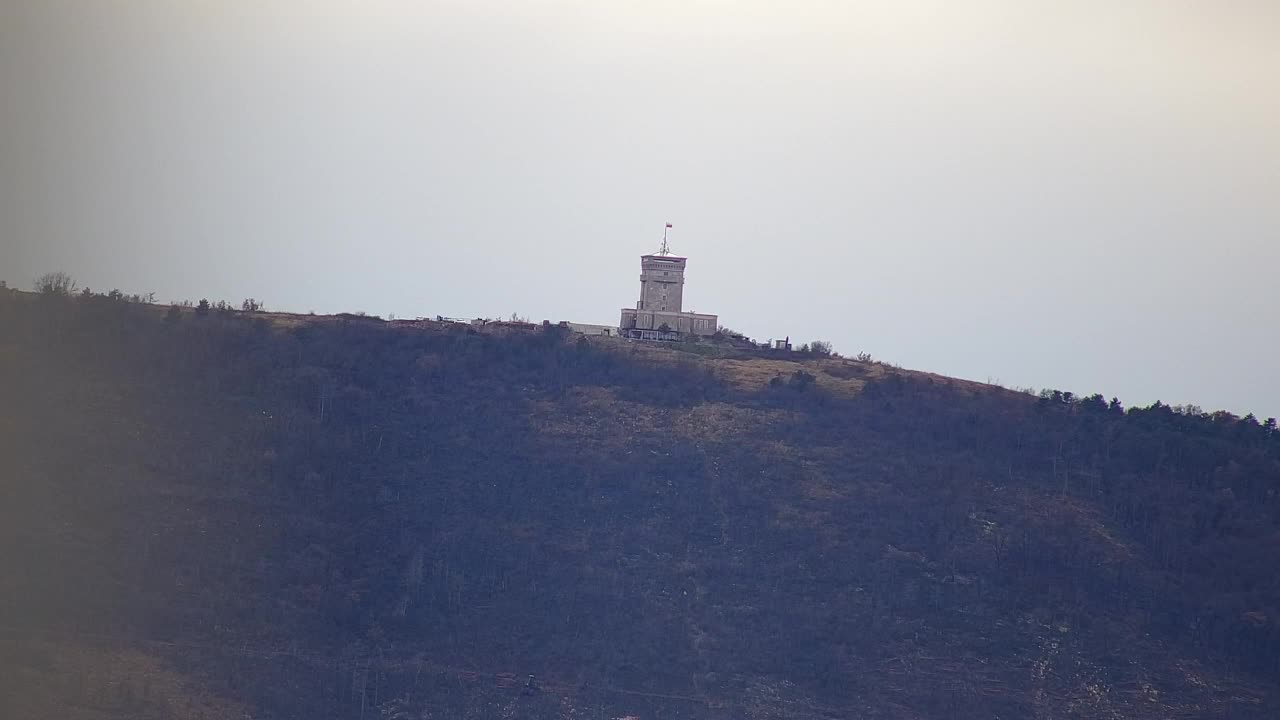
(207, 516)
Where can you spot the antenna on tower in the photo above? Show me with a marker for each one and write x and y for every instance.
(665, 249)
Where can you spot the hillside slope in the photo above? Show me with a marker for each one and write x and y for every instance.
(222, 516)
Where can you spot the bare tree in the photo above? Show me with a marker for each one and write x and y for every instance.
(55, 283)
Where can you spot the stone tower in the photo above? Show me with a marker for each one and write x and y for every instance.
(660, 314)
(661, 283)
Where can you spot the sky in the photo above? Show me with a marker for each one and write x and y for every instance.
(1080, 195)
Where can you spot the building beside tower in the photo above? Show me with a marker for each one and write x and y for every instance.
(659, 314)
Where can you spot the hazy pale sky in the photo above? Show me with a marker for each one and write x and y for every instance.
(1083, 195)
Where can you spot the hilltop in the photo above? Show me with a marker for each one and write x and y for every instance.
(250, 515)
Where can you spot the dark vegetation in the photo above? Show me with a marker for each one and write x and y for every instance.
(346, 519)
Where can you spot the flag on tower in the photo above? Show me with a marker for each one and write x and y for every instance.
(668, 224)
